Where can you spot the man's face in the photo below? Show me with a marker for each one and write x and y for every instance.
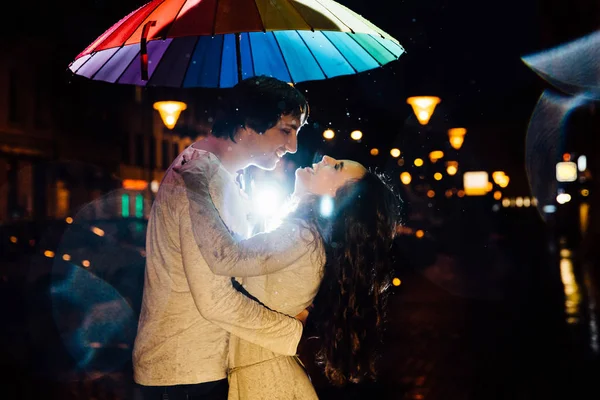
(267, 149)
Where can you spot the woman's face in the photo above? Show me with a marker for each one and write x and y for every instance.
(327, 176)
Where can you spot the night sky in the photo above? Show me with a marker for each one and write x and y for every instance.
(466, 52)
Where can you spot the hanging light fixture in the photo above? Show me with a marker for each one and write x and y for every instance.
(456, 137)
(423, 107)
(169, 111)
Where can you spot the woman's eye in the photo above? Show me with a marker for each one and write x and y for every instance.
(337, 166)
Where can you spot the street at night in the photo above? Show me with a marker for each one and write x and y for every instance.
(483, 119)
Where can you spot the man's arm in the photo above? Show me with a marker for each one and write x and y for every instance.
(218, 302)
(261, 254)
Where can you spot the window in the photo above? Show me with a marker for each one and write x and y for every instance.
(175, 150)
(41, 116)
(125, 149)
(13, 97)
(166, 157)
(152, 160)
(139, 150)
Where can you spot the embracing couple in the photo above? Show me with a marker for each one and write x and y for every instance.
(201, 334)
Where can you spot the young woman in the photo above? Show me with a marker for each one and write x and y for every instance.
(333, 251)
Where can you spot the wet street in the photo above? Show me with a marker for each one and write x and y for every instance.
(478, 324)
(496, 333)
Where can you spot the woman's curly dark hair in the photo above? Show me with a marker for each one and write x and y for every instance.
(350, 307)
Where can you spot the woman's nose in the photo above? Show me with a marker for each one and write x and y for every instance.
(328, 160)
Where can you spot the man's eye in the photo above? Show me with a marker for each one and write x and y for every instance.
(286, 131)
(337, 166)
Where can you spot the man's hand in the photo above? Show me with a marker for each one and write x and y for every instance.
(303, 316)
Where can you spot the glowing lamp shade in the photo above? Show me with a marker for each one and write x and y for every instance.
(436, 155)
(423, 107)
(374, 151)
(395, 153)
(169, 111)
(456, 136)
(566, 171)
(475, 183)
(356, 135)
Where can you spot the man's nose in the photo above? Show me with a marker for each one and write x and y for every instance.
(292, 143)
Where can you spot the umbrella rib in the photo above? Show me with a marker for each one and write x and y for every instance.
(161, 59)
(214, 25)
(338, 18)
(82, 64)
(168, 30)
(238, 55)
(128, 65)
(300, 15)
(103, 64)
(366, 51)
(251, 55)
(283, 57)
(187, 67)
(221, 62)
(312, 54)
(384, 46)
(342, 54)
(259, 17)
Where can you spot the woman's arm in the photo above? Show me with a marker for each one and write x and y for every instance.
(259, 255)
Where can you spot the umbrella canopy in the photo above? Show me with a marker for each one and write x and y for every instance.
(217, 43)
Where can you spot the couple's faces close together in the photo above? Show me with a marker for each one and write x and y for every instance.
(323, 178)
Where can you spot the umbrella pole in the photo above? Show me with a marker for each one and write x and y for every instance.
(238, 54)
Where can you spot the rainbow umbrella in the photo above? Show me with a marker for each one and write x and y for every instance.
(217, 43)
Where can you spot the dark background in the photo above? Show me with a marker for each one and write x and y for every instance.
(480, 313)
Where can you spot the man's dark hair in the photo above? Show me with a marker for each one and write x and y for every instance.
(258, 103)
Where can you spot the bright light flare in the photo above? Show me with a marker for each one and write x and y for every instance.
(326, 206)
(268, 200)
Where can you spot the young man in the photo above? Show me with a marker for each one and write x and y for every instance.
(188, 312)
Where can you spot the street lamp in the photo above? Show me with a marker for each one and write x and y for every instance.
(356, 135)
(329, 134)
(456, 137)
(169, 111)
(423, 107)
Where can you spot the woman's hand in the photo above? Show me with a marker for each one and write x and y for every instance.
(303, 316)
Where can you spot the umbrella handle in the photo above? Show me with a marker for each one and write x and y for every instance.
(144, 50)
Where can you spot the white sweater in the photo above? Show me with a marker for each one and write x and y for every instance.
(187, 311)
